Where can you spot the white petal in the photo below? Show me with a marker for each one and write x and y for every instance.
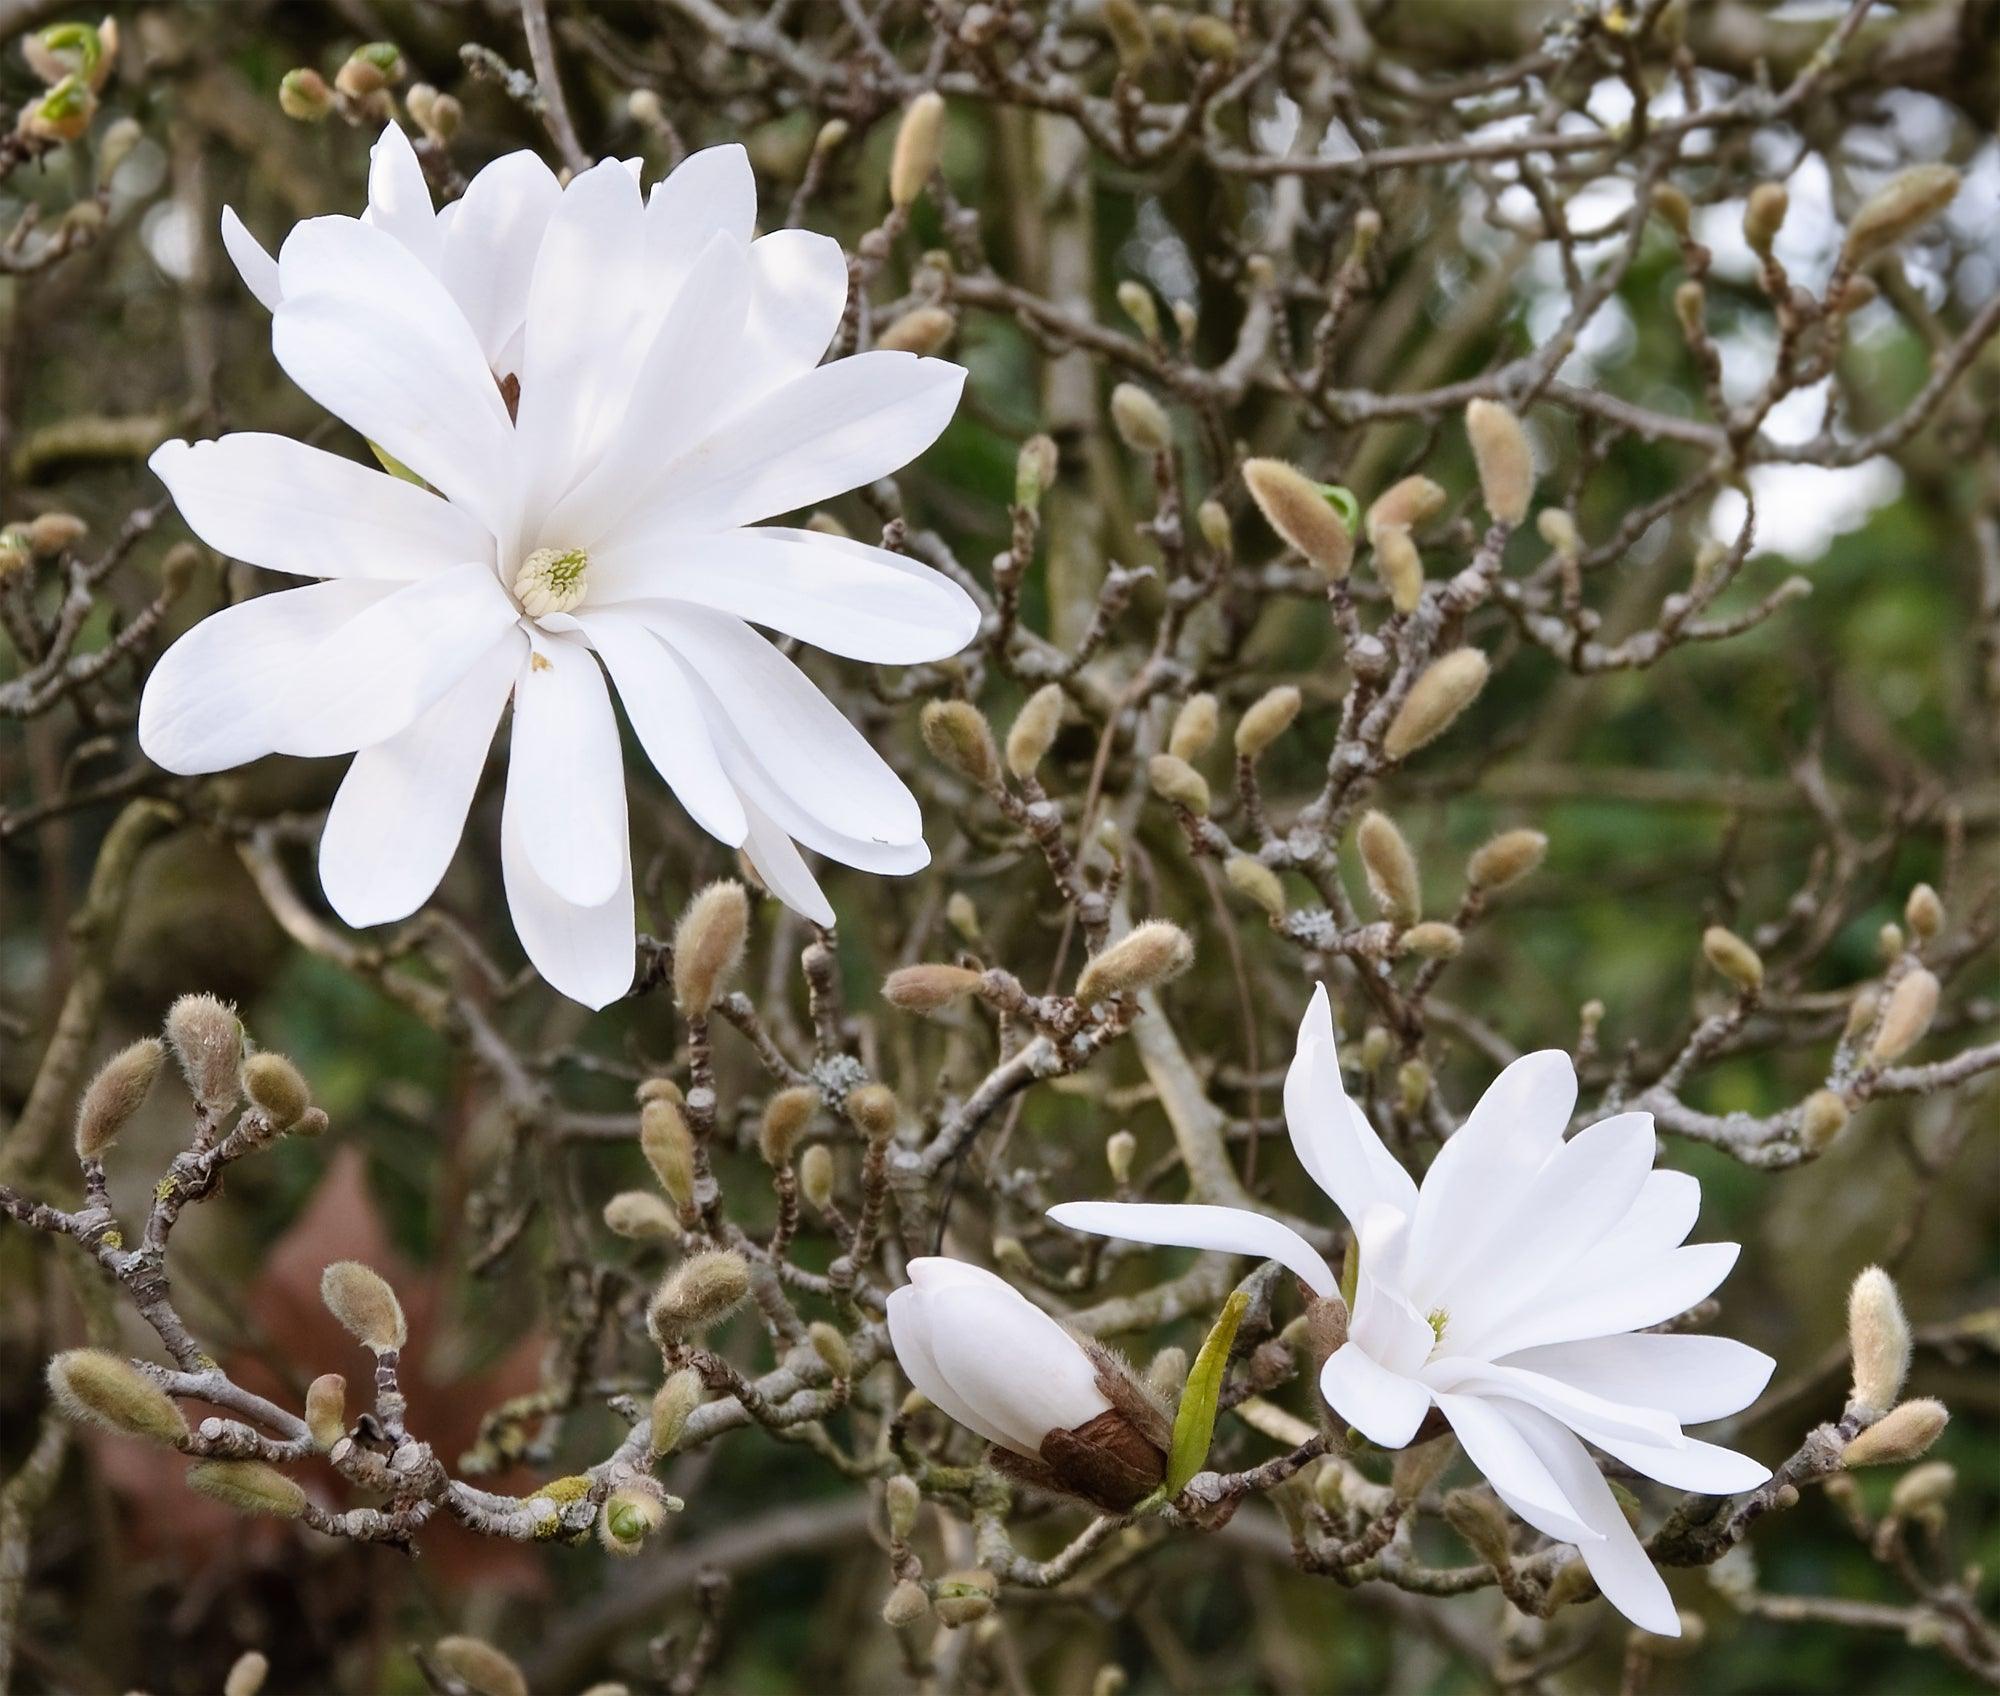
(254, 265)
(1012, 1362)
(217, 697)
(710, 192)
(937, 1271)
(588, 953)
(834, 429)
(1687, 1465)
(1494, 1443)
(397, 818)
(668, 719)
(399, 200)
(567, 772)
(490, 247)
(1595, 1417)
(1661, 1218)
(1228, 1230)
(798, 292)
(1332, 1137)
(1384, 1323)
(1626, 1296)
(1694, 1378)
(1384, 1406)
(909, 1333)
(775, 857)
(373, 337)
(277, 503)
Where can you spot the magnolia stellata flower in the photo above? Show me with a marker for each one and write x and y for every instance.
(602, 393)
(1058, 1411)
(1511, 1292)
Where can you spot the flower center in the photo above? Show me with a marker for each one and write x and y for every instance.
(551, 580)
(1438, 1320)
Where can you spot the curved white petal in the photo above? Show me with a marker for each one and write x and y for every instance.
(1384, 1406)
(254, 265)
(567, 772)
(490, 246)
(1627, 1297)
(909, 1333)
(1667, 1207)
(775, 857)
(1227, 1230)
(367, 679)
(1694, 1378)
(399, 200)
(1689, 1464)
(939, 1271)
(217, 697)
(1494, 1443)
(398, 815)
(669, 721)
(710, 192)
(798, 291)
(1332, 1137)
(1007, 1358)
(588, 953)
(1596, 1417)
(1384, 1323)
(277, 503)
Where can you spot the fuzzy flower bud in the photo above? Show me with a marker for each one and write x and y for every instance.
(1924, 1489)
(957, 734)
(1447, 687)
(874, 1111)
(1558, 529)
(668, 1145)
(303, 94)
(816, 1175)
(1406, 505)
(326, 1410)
(1734, 958)
(1900, 207)
(1195, 726)
(1674, 209)
(97, 1387)
(248, 1486)
(1119, 1149)
(1140, 420)
(479, 1666)
(1923, 912)
(1505, 859)
(708, 946)
(1821, 1121)
(1297, 508)
(1432, 940)
(923, 329)
(1034, 470)
(919, 145)
(830, 1343)
(1266, 719)
(963, 1598)
(1905, 1432)
(906, 1606)
(1912, 1006)
(673, 1403)
(1391, 868)
(1033, 731)
(642, 1217)
(786, 1116)
(277, 1089)
(1256, 883)
(1764, 216)
(117, 1092)
(1400, 567)
(631, 1514)
(1878, 1337)
(1136, 301)
(928, 989)
(247, 1674)
(702, 1291)
(53, 533)
(1147, 955)
(1177, 782)
(1210, 40)
(1478, 1517)
(1212, 519)
(367, 1308)
(207, 1040)
(903, 1500)
(1505, 461)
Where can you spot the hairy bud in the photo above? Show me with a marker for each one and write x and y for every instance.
(1447, 687)
(1120, 1147)
(360, 1298)
(642, 1217)
(903, 1500)
(1923, 912)
(52, 533)
(1256, 883)
(1477, 1516)
(1912, 1006)
(1674, 209)
(1136, 301)
(1140, 420)
(479, 1666)
(1905, 1432)
(1177, 782)
(1195, 726)
(928, 989)
(1297, 508)
(1821, 1121)
(1266, 719)
(1400, 567)
(207, 1040)
(1764, 216)
(1899, 208)
(1391, 868)
(326, 1410)
(957, 734)
(816, 1175)
(1417, 1467)
(786, 1116)
(248, 1486)
(276, 1087)
(668, 1145)
(907, 1605)
(1734, 958)
(830, 1343)
(1924, 1489)
(921, 330)
(919, 145)
(1406, 505)
(674, 1403)
(1505, 859)
(117, 1092)
(708, 946)
(97, 1387)
(1878, 1337)
(1432, 940)
(1034, 470)
(1505, 461)
(964, 1598)
(874, 1110)
(1033, 731)
(1212, 518)
(1147, 955)
(702, 1291)
(1210, 40)
(247, 1674)
(631, 1514)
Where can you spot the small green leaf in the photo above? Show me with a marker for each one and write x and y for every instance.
(1350, 1270)
(1344, 502)
(1194, 1424)
(394, 466)
(81, 39)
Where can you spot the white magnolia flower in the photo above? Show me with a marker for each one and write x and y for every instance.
(1511, 1293)
(603, 395)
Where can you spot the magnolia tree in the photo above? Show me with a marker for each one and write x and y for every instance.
(1016, 830)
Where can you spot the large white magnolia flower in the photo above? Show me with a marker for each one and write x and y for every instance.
(603, 394)
(1511, 1293)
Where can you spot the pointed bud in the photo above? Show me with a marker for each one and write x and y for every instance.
(1375, 1047)
(640, 1216)
(631, 1514)
(1406, 505)
(674, 1403)
(922, 330)
(1417, 1467)
(1141, 421)
(1413, 1084)
(1137, 303)
(97, 1387)
(1505, 859)
(708, 946)
(668, 1145)
(1764, 216)
(1432, 940)
(919, 146)
(117, 1092)
(928, 989)
(1391, 868)
(1034, 730)
(1878, 1338)
(1861, 1012)
(1212, 519)
(1558, 529)
(367, 1308)
(904, 1500)
(1435, 700)
(831, 1345)
(1905, 1432)
(1923, 912)
(786, 1116)
(1167, 1372)
(816, 1175)
(1195, 726)
(1297, 508)
(248, 1486)
(1400, 567)
(1924, 1489)
(275, 1086)
(303, 94)
(1120, 1147)
(479, 1666)
(1147, 955)
(1177, 782)
(1505, 461)
(1691, 308)
(874, 1111)
(962, 915)
(1131, 36)
(702, 1291)
(1912, 1006)
(326, 1410)
(1256, 883)
(247, 1675)
(1477, 1517)
(956, 733)
(1889, 943)
(1674, 209)
(1266, 719)
(1734, 958)
(1034, 471)
(1821, 1121)
(907, 1605)
(207, 1040)
(54, 533)
(1899, 208)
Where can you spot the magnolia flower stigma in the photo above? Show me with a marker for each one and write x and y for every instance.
(552, 580)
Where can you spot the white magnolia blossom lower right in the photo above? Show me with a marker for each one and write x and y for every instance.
(1512, 1293)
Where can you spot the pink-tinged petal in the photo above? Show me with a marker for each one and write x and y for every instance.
(1225, 1230)
(254, 265)
(1694, 1378)
(1384, 1406)
(1331, 1136)
(568, 773)
(1494, 1443)
(489, 249)
(274, 502)
(397, 818)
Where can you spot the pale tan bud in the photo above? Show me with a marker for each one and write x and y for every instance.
(1137, 303)
(962, 914)
(1212, 518)
(1504, 458)
(1256, 883)
(1141, 421)
(1407, 505)
(1572, 1579)
(1432, 940)
(1691, 308)
(904, 1501)
(247, 1675)
(668, 1145)
(907, 1605)
(52, 533)
(630, 1514)
(1899, 208)
(1923, 912)
(1297, 508)
(816, 1175)
(479, 1666)
(1905, 1432)
(659, 1089)
(1764, 216)
(956, 733)
(708, 946)
(177, 569)
(786, 1116)
(831, 1345)
(640, 1216)
(919, 145)
(702, 1291)
(832, 134)
(1266, 719)
(1130, 34)
(1825, 1113)
(326, 1410)
(207, 1040)
(1924, 1489)
(874, 1111)
(248, 1486)
(1447, 687)
(367, 1308)
(1400, 567)
(1558, 529)
(1889, 943)
(117, 1092)
(1734, 958)
(1210, 40)
(1479, 1518)
(1413, 1084)
(1120, 1148)
(278, 1090)
(1674, 210)
(928, 989)
(1147, 955)
(97, 1387)
(674, 1403)
(1417, 1467)
(1175, 781)
(1195, 726)
(1878, 1338)
(1034, 470)
(1034, 729)
(1912, 1005)
(1391, 868)
(1861, 1012)
(1505, 859)
(303, 94)
(923, 329)
(963, 1598)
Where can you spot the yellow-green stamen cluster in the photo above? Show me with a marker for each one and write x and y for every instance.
(551, 580)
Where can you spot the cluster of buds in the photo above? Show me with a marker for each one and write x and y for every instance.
(74, 60)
